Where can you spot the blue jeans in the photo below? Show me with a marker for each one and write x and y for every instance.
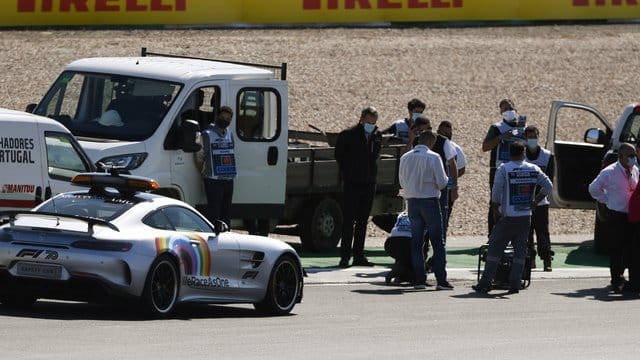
(425, 215)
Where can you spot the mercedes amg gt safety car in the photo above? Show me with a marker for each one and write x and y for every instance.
(115, 240)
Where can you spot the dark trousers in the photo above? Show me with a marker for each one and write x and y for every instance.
(620, 235)
(444, 211)
(219, 195)
(634, 259)
(490, 217)
(356, 207)
(540, 226)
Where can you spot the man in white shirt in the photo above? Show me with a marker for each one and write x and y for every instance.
(422, 177)
(613, 187)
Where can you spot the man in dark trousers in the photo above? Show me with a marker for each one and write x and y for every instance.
(498, 139)
(512, 197)
(357, 150)
(613, 187)
(536, 154)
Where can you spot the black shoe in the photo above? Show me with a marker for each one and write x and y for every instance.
(344, 263)
(363, 262)
(479, 289)
(547, 264)
(444, 286)
(617, 288)
(513, 291)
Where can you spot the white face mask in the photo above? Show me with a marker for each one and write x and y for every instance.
(510, 116)
(632, 161)
(415, 115)
(532, 143)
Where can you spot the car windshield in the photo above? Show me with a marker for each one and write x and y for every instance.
(108, 106)
(105, 208)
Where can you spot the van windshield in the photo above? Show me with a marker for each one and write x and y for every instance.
(108, 106)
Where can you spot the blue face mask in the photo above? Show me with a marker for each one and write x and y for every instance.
(632, 161)
(368, 128)
(532, 143)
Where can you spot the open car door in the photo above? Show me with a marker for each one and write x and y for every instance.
(578, 157)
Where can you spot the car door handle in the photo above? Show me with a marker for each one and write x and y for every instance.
(272, 156)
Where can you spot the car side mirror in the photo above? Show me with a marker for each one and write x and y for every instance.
(220, 227)
(594, 136)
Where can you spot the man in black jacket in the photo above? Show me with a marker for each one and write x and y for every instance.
(357, 150)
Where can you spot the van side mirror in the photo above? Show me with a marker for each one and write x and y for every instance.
(188, 140)
(594, 136)
(31, 108)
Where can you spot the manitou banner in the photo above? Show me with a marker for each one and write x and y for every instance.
(28, 13)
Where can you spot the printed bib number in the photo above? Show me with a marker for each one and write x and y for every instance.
(522, 186)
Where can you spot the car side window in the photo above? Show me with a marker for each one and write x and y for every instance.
(184, 219)
(158, 220)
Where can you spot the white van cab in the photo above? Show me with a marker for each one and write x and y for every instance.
(131, 112)
(38, 157)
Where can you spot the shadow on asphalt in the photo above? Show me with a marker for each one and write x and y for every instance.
(600, 294)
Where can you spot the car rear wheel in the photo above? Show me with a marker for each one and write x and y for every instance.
(282, 289)
(160, 293)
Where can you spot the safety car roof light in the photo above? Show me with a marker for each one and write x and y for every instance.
(118, 181)
(636, 109)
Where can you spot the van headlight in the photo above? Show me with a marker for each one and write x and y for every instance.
(126, 161)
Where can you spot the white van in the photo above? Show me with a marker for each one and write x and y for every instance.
(129, 111)
(38, 157)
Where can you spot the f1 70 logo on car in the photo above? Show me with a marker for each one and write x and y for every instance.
(35, 253)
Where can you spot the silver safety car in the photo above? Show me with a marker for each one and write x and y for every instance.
(115, 240)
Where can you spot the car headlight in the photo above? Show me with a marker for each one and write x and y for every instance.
(126, 161)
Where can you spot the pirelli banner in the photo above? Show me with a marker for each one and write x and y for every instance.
(27, 13)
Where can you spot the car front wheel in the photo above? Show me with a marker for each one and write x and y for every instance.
(160, 293)
(282, 289)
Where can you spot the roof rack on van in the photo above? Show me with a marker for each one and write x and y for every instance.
(282, 68)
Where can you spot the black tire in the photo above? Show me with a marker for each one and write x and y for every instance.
(18, 301)
(600, 244)
(283, 288)
(322, 226)
(161, 288)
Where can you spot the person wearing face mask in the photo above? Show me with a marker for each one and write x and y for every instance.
(498, 139)
(357, 150)
(613, 187)
(536, 154)
(218, 165)
(514, 195)
(400, 128)
(446, 129)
